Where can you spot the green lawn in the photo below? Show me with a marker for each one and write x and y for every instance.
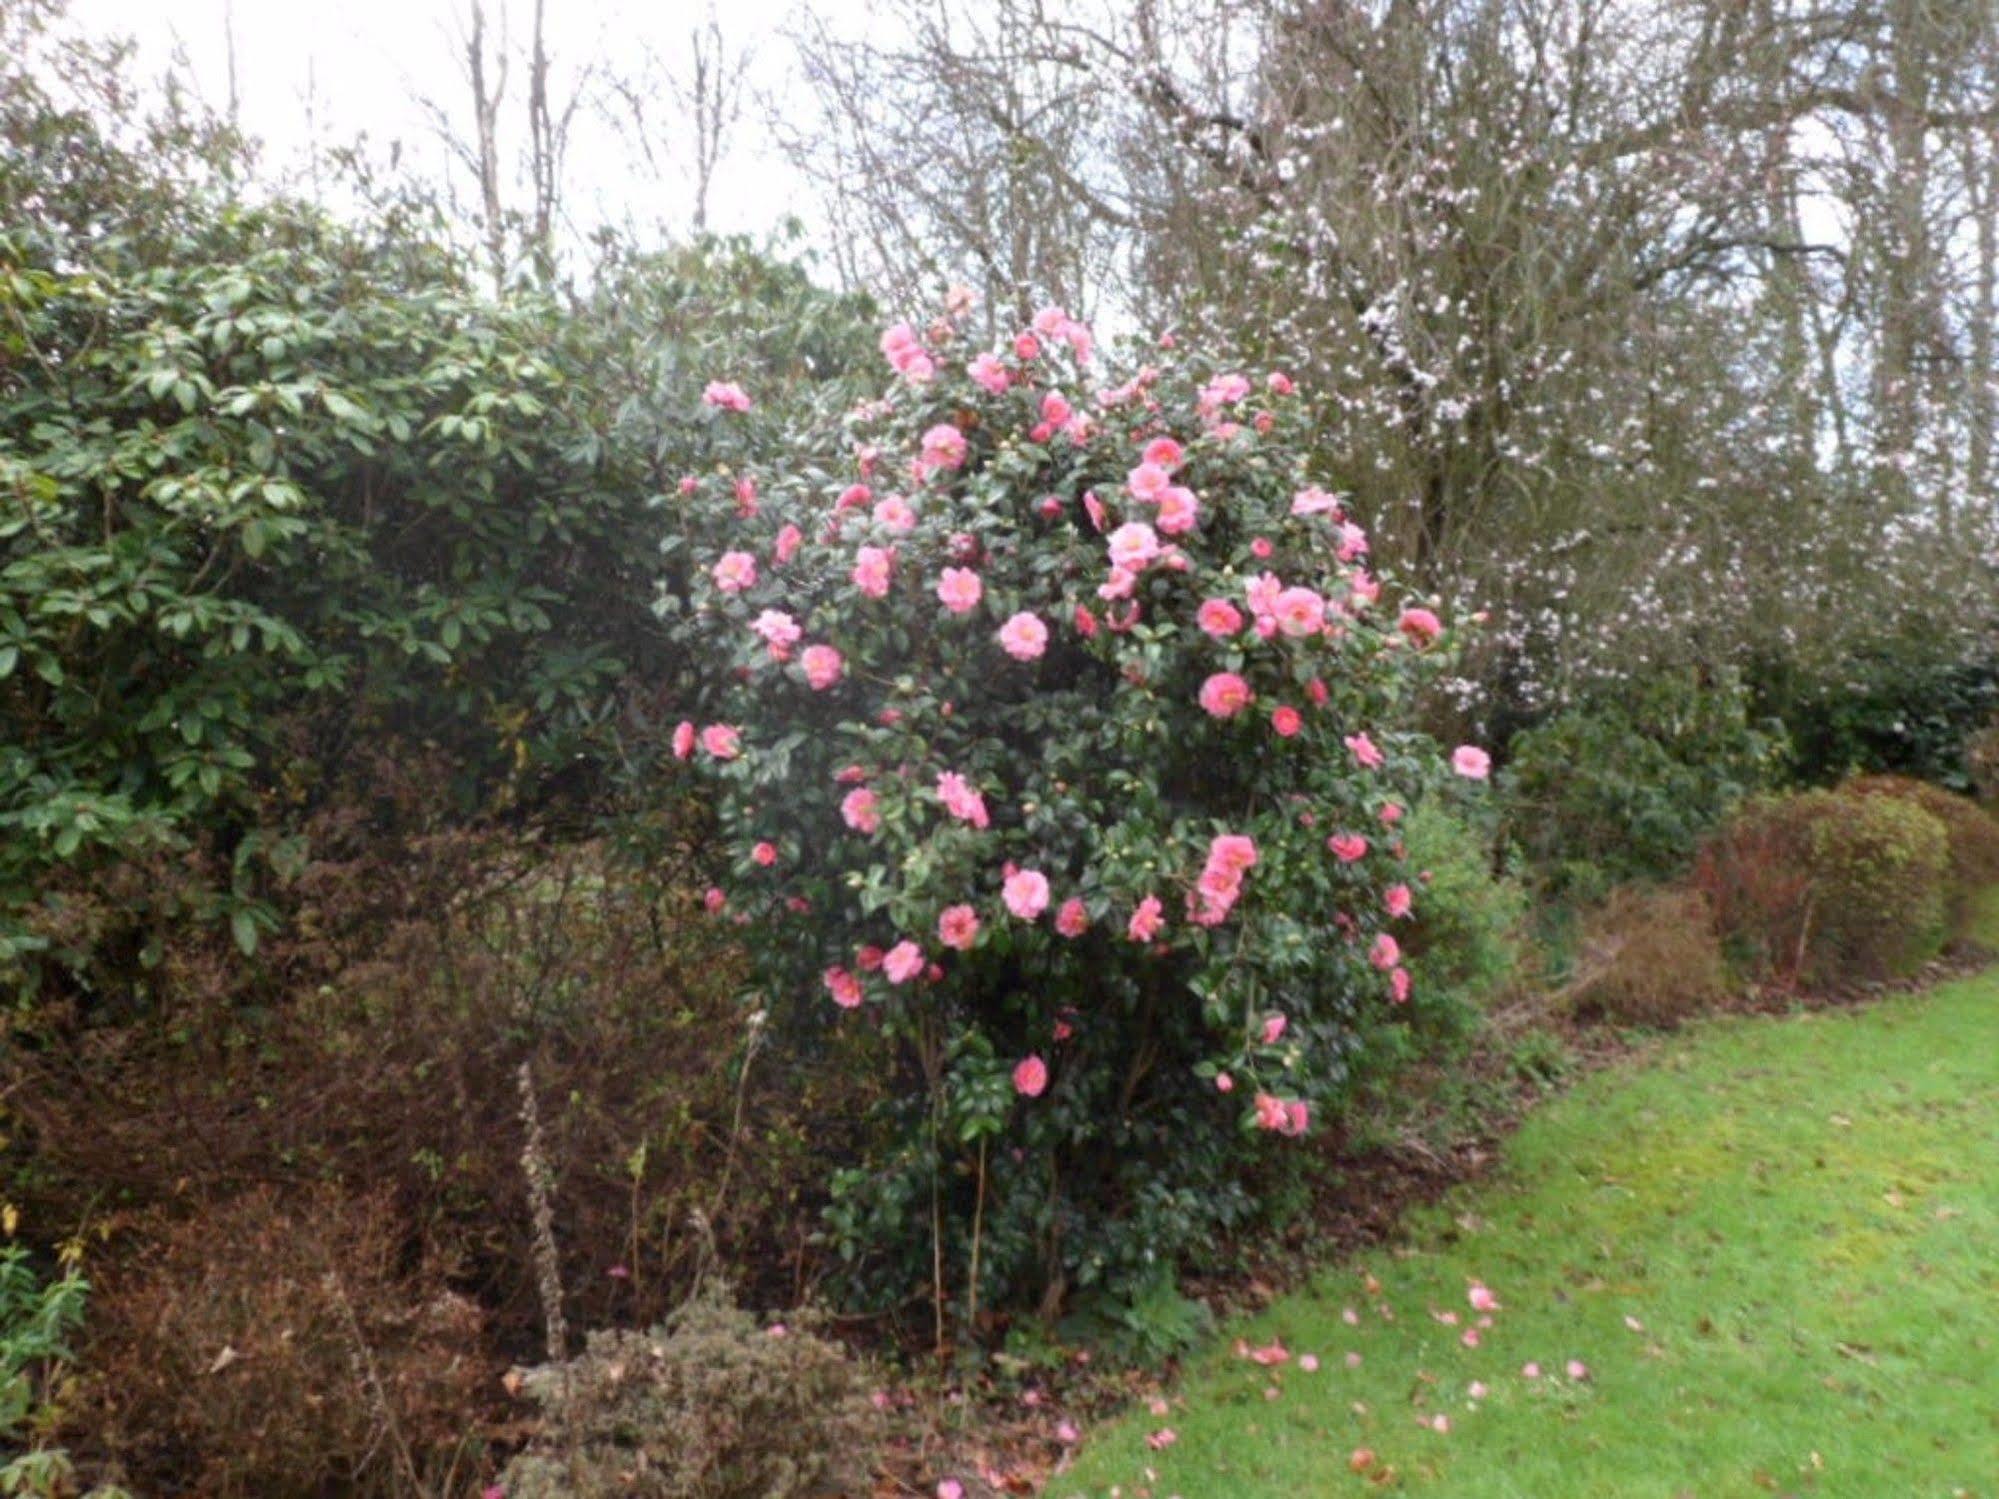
(1799, 1216)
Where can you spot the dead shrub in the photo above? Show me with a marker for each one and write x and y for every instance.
(1649, 957)
(274, 1345)
(709, 1405)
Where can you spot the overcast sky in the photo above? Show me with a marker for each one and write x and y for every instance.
(337, 70)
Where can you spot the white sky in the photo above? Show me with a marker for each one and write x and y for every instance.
(341, 69)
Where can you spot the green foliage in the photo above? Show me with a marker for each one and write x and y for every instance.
(1828, 888)
(36, 1320)
(1466, 944)
(710, 1405)
(1623, 790)
(1974, 836)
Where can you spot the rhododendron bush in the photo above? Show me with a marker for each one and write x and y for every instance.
(1058, 739)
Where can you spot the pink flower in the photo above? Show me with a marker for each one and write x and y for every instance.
(1352, 545)
(843, 986)
(1481, 1298)
(1270, 1112)
(961, 799)
(1347, 847)
(1299, 611)
(735, 572)
(1385, 953)
(1224, 1083)
(906, 354)
(1314, 501)
(1235, 851)
(1530, 1371)
(1391, 813)
(714, 900)
(902, 962)
(1132, 546)
(1219, 618)
(1161, 1439)
(1318, 692)
(1297, 1116)
(1399, 985)
(777, 630)
(950, 1488)
(1073, 919)
(1094, 508)
(1148, 482)
(989, 372)
(871, 571)
(1165, 453)
(765, 853)
(1055, 409)
(894, 514)
(1030, 1077)
(1287, 721)
(853, 497)
(683, 740)
(1146, 920)
(1399, 900)
(1420, 626)
(1225, 694)
(1067, 1434)
(1278, 383)
(1026, 893)
(1026, 347)
(1273, 1029)
(1471, 762)
(725, 394)
(858, 810)
(1576, 1369)
(1178, 511)
(958, 927)
(944, 446)
(722, 741)
(959, 589)
(823, 666)
(1024, 637)
(1364, 751)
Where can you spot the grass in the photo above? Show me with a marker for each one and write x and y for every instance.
(1801, 1218)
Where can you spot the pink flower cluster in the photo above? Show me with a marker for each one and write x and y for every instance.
(1230, 857)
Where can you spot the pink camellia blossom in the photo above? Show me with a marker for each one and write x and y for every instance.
(1353, 546)
(1471, 762)
(1178, 511)
(854, 497)
(1481, 1298)
(944, 446)
(869, 959)
(902, 962)
(1278, 383)
(1224, 1083)
(1118, 585)
(1094, 508)
(713, 901)
(907, 356)
(1067, 1434)
(859, 811)
(872, 566)
(894, 514)
(1225, 694)
(1364, 751)
(1419, 626)
(950, 1488)
(1133, 545)
(1260, 548)
(1286, 721)
(777, 630)
(725, 394)
(988, 372)
(1260, 593)
(1026, 893)
(1146, 920)
(1271, 1112)
(683, 740)
(1399, 900)
(1024, 637)
(1085, 622)
(734, 572)
(1164, 452)
(1391, 813)
(689, 484)
(1055, 408)
(785, 547)
(1026, 347)
(1030, 1077)
(959, 589)
(1219, 618)
(1236, 851)
(1364, 590)
(1148, 482)
(1385, 953)
(958, 927)
(962, 800)
(1273, 1029)
(722, 741)
(843, 986)
(1073, 918)
(1314, 501)
(1399, 985)
(1318, 692)
(1299, 611)
(1297, 1116)
(1161, 1439)
(1576, 1369)
(823, 666)
(765, 853)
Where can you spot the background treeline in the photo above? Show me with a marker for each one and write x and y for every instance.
(358, 1008)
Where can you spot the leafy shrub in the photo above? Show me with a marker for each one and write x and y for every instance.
(1649, 957)
(1467, 939)
(1973, 832)
(1624, 790)
(1060, 824)
(1827, 888)
(709, 1405)
(267, 1345)
(37, 1318)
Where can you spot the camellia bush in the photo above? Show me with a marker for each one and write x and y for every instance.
(1056, 742)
